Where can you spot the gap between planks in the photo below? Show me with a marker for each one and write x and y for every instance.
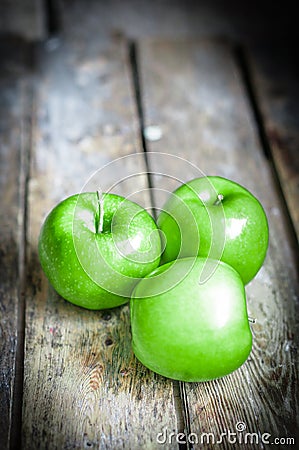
(16, 421)
(179, 392)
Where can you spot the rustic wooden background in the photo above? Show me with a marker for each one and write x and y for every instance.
(81, 84)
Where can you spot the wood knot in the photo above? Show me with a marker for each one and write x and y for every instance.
(106, 316)
(108, 342)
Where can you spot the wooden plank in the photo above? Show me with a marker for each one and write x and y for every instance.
(193, 92)
(82, 385)
(275, 80)
(15, 97)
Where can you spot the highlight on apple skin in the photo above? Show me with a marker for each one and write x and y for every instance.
(95, 250)
(228, 223)
(190, 331)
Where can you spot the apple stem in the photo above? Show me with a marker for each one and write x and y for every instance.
(219, 199)
(252, 319)
(101, 211)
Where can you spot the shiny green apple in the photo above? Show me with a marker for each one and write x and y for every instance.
(190, 330)
(95, 250)
(218, 218)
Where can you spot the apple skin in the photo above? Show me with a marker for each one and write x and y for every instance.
(235, 230)
(98, 270)
(191, 331)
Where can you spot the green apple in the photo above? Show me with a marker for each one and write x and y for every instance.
(187, 330)
(95, 250)
(231, 224)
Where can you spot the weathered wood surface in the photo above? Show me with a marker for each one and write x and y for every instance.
(275, 75)
(15, 98)
(193, 92)
(83, 388)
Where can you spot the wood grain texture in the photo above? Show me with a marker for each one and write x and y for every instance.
(15, 97)
(83, 388)
(275, 79)
(193, 92)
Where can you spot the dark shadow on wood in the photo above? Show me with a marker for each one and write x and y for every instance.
(25, 152)
(53, 18)
(133, 52)
(244, 66)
